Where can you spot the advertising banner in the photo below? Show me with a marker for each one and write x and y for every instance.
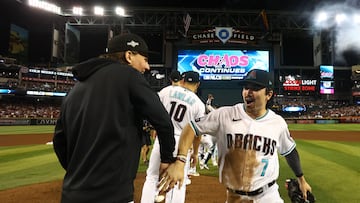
(222, 64)
(19, 43)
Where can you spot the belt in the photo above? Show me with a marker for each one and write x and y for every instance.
(255, 192)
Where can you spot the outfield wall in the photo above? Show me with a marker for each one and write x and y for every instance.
(20, 121)
(324, 121)
(49, 121)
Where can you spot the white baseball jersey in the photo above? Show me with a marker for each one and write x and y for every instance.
(209, 106)
(247, 147)
(183, 106)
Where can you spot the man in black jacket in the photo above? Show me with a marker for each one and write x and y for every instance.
(97, 138)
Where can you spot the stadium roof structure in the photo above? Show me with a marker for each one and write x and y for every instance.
(166, 17)
(289, 5)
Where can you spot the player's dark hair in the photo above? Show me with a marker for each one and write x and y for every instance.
(271, 100)
(117, 56)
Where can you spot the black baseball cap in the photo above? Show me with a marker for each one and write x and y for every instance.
(128, 42)
(258, 77)
(175, 76)
(191, 76)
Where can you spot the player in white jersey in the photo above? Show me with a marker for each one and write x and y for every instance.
(207, 151)
(207, 148)
(249, 138)
(209, 106)
(183, 106)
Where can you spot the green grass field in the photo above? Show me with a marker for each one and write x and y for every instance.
(332, 168)
(326, 127)
(12, 130)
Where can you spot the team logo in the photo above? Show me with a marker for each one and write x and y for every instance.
(133, 43)
(223, 33)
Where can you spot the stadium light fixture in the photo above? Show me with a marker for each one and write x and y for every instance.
(98, 10)
(340, 18)
(322, 17)
(78, 11)
(120, 11)
(357, 18)
(45, 6)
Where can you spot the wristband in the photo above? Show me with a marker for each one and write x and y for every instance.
(181, 158)
(181, 155)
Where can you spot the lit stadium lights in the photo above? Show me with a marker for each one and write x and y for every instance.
(357, 18)
(340, 18)
(120, 11)
(99, 10)
(322, 17)
(77, 11)
(327, 19)
(45, 6)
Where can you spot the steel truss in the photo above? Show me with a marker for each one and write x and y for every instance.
(171, 20)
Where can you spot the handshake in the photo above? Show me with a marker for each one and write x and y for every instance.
(171, 174)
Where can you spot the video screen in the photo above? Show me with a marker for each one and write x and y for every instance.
(222, 64)
(326, 87)
(326, 72)
(294, 108)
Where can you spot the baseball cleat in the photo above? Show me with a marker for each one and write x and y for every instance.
(193, 173)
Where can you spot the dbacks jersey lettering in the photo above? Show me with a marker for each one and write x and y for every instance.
(248, 148)
(251, 142)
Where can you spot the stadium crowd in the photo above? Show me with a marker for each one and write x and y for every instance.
(29, 108)
(49, 108)
(14, 76)
(317, 108)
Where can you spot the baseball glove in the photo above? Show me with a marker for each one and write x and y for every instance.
(295, 193)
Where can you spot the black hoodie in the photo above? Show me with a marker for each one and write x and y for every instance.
(97, 137)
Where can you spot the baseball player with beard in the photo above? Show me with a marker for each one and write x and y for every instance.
(249, 138)
(183, 106)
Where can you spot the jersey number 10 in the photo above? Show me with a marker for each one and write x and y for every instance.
(177, 111)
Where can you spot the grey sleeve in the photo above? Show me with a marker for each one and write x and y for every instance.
(293, 161)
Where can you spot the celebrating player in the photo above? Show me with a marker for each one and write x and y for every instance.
(209, 106)
(249, 137)
(183, 106)
(207, 149)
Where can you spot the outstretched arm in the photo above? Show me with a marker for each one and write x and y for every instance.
(175, 172)
(293, 161)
